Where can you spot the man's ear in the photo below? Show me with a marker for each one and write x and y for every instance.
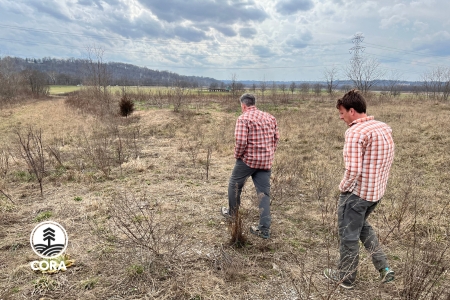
(352, 111)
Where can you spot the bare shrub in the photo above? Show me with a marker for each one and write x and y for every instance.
(4, 169)
(138, 223)
(230, 263)
(425, 273)
(97, 149)
(32, 151)
(179, 98)
(108, 146)
(286, 176)
(90, 100)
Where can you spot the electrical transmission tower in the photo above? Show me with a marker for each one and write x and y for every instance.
(357, 49)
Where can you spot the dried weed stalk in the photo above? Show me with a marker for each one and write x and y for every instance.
(235, 225)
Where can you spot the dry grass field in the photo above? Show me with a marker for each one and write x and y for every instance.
(139, 198)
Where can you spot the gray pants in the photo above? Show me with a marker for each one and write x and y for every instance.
(261, 179)
(353, 227)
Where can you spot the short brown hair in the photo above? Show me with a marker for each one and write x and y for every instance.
(353, 99)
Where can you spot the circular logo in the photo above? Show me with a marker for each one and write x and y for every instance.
(48, 239)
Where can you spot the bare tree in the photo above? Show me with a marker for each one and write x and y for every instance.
(437, 83)
(330, 77)
(392, 85)
(263, 86)
(98, 75)
(304, 88)
(292, 87)
(362, 71)
(233, 86)
(38, 82)
(10, 80)
(317, 88)
(213, 85)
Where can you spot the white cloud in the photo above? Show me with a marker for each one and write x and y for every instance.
(394, 21)
(201, 36)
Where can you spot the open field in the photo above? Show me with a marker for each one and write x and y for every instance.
(64, 89)
(139, 198)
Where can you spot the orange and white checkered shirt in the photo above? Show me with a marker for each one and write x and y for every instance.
(368, 156)
(257, 138)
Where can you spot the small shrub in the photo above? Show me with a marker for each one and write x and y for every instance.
(77, 198)
(135, 270)
(238, 239)
(126, 106)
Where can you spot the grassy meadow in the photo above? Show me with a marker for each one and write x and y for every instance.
(140, 196)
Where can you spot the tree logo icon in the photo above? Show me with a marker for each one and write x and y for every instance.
(48, 239)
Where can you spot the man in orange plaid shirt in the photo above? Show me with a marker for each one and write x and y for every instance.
(368, 155)
(257, 136)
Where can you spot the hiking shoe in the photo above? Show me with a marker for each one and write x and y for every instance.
(225, 212)
(256, 230)
(333, 275)
(387, 275)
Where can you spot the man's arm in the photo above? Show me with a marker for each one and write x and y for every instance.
(276, 137)
(353, 156)
(240, 134)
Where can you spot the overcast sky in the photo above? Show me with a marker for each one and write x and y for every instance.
(259, 40)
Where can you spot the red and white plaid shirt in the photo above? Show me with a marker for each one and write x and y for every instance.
(368, 156)
(257, 137)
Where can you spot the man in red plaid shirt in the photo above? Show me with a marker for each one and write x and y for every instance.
(368, 155)
(257, 136)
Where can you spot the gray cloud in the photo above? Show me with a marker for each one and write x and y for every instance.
(262, 51)
(225, 30)
(204, 11)
(189, 34)
(289, 7)
(50, 8)
(300, 40)
(247, 32)
(93, 3)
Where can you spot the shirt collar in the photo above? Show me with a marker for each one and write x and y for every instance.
(368, 118)
(250, 108)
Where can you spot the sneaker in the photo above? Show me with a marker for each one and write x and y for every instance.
(333, 275)
(387, 275)
(256, 230)
(225, 212)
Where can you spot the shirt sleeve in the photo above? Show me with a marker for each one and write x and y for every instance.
(240, 134)
(353, 157)
(276, 137)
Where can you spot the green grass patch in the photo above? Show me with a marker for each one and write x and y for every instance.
(43, 216)
(63, 89)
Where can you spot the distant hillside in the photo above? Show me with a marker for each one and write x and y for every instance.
(74, 71)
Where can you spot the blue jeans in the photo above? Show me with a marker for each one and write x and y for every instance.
(353, 227)
(261, 180)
